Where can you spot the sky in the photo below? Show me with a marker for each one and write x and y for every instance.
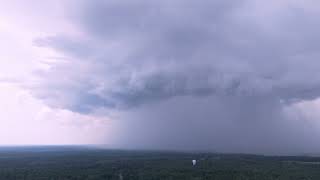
(220, 75)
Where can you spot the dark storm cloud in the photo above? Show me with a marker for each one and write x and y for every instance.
(229, 64)
(199, 48)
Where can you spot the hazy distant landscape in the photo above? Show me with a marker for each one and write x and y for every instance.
(81, 163)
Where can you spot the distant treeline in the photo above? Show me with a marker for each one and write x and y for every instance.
(95, 164)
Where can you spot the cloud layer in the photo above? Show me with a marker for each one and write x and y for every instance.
(235, 67)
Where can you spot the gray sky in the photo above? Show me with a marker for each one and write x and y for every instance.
(230, 76)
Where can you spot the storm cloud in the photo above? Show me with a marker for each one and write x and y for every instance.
(210, 75)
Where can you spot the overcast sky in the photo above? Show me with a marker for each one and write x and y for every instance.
(218, 75)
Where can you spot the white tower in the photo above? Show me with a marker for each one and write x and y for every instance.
(194, 162)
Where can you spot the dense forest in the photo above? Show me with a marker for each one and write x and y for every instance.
(80, 163)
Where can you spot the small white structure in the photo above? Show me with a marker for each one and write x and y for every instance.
(194, 162)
